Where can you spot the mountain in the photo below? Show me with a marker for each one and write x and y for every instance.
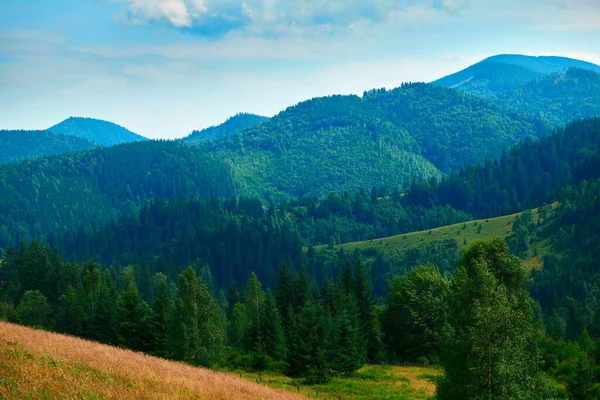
(228, 128)
(64, 192)
(557, 98)
(385, 138)
(509, 71)
(103, 132)
(21, 145)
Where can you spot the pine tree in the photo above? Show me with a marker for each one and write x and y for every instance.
(310, 348)
(162, 307)
(273, 335)
(255, 306)
(70, 313)
(349, 349)
(132, 317)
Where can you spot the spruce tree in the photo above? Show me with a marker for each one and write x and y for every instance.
(162, 307)
(273, 335)
(349, 348)
(309, 355)
(132, 317)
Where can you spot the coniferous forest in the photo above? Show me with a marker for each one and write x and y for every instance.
(258, 246)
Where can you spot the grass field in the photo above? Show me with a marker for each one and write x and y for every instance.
(369, 383)
(463, 233)
(41, 365)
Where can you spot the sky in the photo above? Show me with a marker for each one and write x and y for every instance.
(163, 68)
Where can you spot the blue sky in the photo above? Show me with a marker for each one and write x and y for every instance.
(163, 68)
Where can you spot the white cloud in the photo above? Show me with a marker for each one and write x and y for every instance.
(275, 17)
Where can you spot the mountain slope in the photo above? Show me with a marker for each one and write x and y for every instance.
(63, 192)
(38, 364)
(21, 145)
(558, 98)
(452, 129)
(385, 138)
(321, 145)
(507, 72)
(228, 128)
(103, 132)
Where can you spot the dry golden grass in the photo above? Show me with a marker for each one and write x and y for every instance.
(36, 364)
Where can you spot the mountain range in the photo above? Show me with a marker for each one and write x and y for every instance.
(383, 139)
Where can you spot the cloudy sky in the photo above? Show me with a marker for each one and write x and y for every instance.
(165, 67)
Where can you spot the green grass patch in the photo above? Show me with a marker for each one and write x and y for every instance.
(463, 233)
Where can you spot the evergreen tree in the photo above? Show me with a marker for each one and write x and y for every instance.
(70, 313)
(255, 305)
(198, 334)
(132, 315)
(349, 350)
(309, 354)
(162, 307)
(273, 335)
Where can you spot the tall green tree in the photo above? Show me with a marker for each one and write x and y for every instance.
(414, 312)
(489, 345)
(162, 308)
(198, 334)
(132, 315)
(273, 334)
(309, 354)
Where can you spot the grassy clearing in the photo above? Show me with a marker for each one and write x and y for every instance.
(37, 365)
(369, 383)
(462, 233)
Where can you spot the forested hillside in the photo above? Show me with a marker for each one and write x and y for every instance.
(556, 99)
(228, 128)
(236, 235)
(385, 139)
(103, 132)
(524, 177)
(22, 145)
(554, 90)
(65, 192)
(452, 129)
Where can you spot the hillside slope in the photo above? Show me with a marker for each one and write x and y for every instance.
(556, 99)
(22, 145)
(463, 234)
(384, 139)
(228, 128)
(63, 192)
(103, 132)
(38, 364)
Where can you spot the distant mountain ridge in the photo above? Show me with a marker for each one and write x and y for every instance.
(103, 132)
(508, 71)
(554, 90)
(233, 125)
(18, 145)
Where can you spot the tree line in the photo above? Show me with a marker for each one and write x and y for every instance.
(479, 324)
